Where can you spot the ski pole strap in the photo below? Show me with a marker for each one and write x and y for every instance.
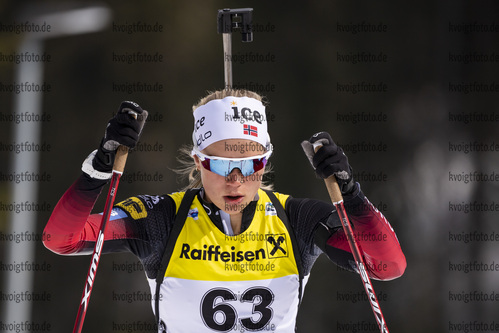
(178, 224)
(281, 214)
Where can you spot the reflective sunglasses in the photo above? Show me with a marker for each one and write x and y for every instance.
(223, 166)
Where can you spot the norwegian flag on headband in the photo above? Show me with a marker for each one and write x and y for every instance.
(250, 130)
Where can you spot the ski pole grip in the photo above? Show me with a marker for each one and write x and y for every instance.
(120, 159)
(122, 152)
(331, 183)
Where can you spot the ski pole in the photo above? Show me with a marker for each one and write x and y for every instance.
(118, 167)
(337, 199)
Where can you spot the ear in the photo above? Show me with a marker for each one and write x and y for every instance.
(197, 161)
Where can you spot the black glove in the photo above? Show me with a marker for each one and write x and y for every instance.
(123, 129)
(329, 160)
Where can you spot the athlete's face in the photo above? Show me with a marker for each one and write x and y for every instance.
(233, 192)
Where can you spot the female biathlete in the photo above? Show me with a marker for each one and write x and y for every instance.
(226, 253)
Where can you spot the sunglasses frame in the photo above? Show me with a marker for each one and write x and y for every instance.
(204, 157)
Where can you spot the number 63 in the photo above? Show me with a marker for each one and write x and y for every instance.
(215, 303)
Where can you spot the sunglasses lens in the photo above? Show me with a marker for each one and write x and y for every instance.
(206, 164)
(247, 168)
(259, 164)
(225, 167)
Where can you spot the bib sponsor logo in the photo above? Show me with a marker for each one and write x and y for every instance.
(213, 253)
(277, 246)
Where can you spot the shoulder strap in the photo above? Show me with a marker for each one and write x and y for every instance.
(178, 224)
(281, 213)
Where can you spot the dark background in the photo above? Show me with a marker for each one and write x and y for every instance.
(304, 43)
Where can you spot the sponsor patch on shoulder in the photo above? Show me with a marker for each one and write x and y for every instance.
(134, 207)
(194, 213)
(270, 209)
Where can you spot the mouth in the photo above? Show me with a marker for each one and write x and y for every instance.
(233, 199)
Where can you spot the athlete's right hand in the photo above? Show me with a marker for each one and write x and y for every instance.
(123, 129)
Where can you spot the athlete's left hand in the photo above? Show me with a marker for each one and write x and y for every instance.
(329, 160)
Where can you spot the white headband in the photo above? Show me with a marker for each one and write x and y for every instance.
(230, 118)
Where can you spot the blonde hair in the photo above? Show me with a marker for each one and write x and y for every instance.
(187, 169)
